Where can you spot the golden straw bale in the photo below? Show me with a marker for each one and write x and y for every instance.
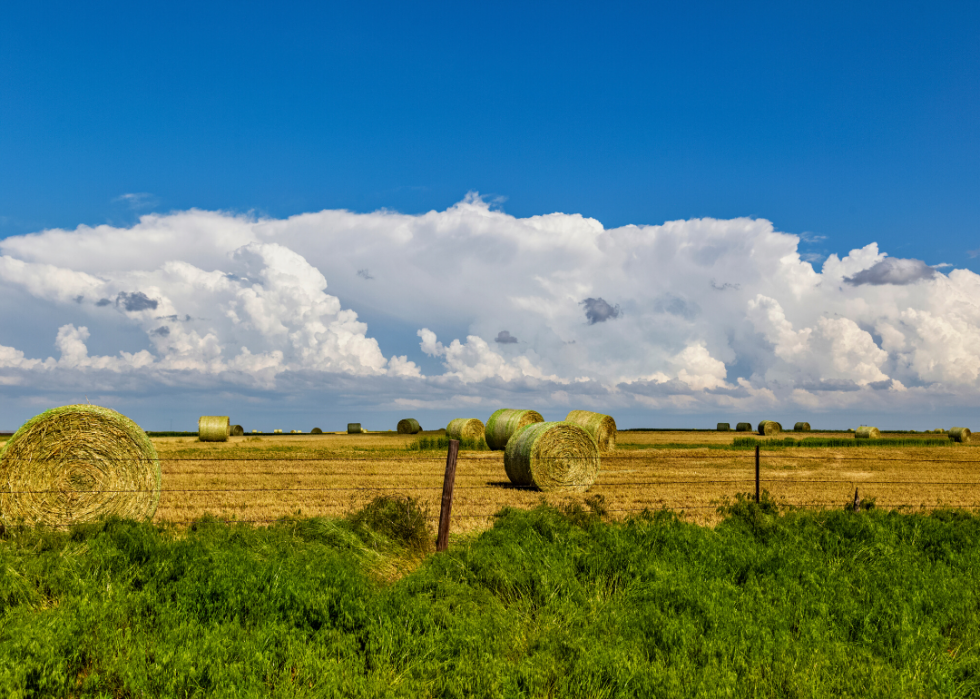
(465, 428)
(865, 432)
(504, 423)
(553, 457)
(213, 428)
(769, 428)
(602, 428)
(409, 426)
(78, 463)
(960, 434)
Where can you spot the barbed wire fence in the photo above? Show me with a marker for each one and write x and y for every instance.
(647, 493)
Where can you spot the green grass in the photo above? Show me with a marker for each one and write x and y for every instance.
(442, 443)
(547, 603)
(788, 442)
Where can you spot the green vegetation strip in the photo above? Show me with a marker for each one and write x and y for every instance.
(547, 603)
(788, 442)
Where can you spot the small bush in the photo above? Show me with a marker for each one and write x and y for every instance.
(401, 519)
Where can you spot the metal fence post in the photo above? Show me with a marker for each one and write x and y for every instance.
(447, 495)
(757, 473)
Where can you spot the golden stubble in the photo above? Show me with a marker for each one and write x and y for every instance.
(262, 479)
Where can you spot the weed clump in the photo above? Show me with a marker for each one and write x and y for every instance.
(403, 519)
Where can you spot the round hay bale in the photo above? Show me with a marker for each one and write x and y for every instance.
(724, 427)
(354, 428)
(553, 457)
(960, 434)
(602, 428)
(213, 428)
(409, 426)
(236, 431)
(769, 428)
(743, 427)
(865, 432)
(78, 463)
(801, 427)
(316, 430)
(465, 428)
(505, 422)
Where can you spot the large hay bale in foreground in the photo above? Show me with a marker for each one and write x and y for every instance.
(354, 428)
(743, 427)
(553, 457)
(801, 427)
(769, 428)
(465, 428)
(236, 431)
(960, 434)
(78, 463)
(409, 426)
(865, 432)
(213, 428)
(505, 422)
(724, 427)
(602, 428)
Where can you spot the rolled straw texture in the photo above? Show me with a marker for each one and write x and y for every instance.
(602, 428)
(743, 427)
(724, 427)
(553, 457)
(236, 431)
(865, 432)
(409, 426)
(316, 430)
(801, 427)
(505, 422)
(353, 428)
(465, 428)
(212, 428)
(78, 463)
(960, 434)
(768, 428)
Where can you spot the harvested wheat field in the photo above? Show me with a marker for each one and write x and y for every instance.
(262, 478)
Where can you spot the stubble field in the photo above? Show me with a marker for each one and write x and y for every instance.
(260, 479)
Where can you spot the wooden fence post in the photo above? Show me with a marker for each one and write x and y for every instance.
(757, 473)
(447, 495)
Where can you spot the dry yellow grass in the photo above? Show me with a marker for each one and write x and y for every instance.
(268, 477)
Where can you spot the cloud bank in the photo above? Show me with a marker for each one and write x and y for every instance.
(693, 316)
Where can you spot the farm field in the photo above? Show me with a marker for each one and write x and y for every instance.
(260, 479)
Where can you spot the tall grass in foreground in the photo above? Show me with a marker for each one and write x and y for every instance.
(549, 602)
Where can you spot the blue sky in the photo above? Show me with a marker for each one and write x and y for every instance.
(842, 124)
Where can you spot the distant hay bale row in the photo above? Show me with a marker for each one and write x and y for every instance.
(866, 432)
(552, 456)
(409, 426)
(960, 434)
(506, 422)
(769, 428)
(602, 428)
(78, 463)
(213, 428)
(465, 428)
(353, 428)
